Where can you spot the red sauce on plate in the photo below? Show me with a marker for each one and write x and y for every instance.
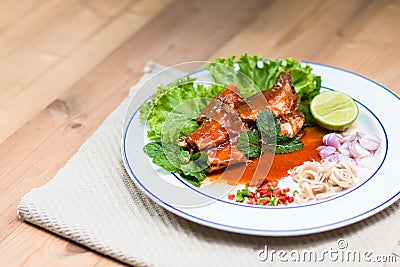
(256, 171)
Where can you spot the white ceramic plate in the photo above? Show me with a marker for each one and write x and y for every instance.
(378, 188)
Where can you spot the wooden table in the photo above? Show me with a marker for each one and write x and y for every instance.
(65, 65)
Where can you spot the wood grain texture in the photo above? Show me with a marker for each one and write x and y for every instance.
(90, 35)
(67, 64)
(354, 35)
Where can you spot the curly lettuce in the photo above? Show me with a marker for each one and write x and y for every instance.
(173, 110)
(261, 74)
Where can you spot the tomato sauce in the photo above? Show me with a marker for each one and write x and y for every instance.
(274, 167)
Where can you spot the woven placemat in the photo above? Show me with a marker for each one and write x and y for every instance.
(92, 201)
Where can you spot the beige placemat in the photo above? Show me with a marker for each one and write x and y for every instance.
(92, 201)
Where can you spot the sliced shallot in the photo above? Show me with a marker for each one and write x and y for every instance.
(357, 148)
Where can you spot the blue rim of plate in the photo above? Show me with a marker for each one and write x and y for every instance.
(267, 232)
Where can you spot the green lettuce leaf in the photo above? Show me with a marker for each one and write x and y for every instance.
(286, 144)
(249, 143)
(156, 152)
(174, 159)
(263, 74)
(254, 143)
(309, 118)
(306, 83)
(174, 109)
(268, 126)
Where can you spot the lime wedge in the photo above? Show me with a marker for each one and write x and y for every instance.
(334, 110)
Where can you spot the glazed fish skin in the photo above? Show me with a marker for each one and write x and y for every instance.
(229, 96)
(223, 155)
(220, 122)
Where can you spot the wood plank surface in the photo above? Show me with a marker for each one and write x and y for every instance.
(67, 64)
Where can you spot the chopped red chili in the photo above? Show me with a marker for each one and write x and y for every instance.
(267, 193)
